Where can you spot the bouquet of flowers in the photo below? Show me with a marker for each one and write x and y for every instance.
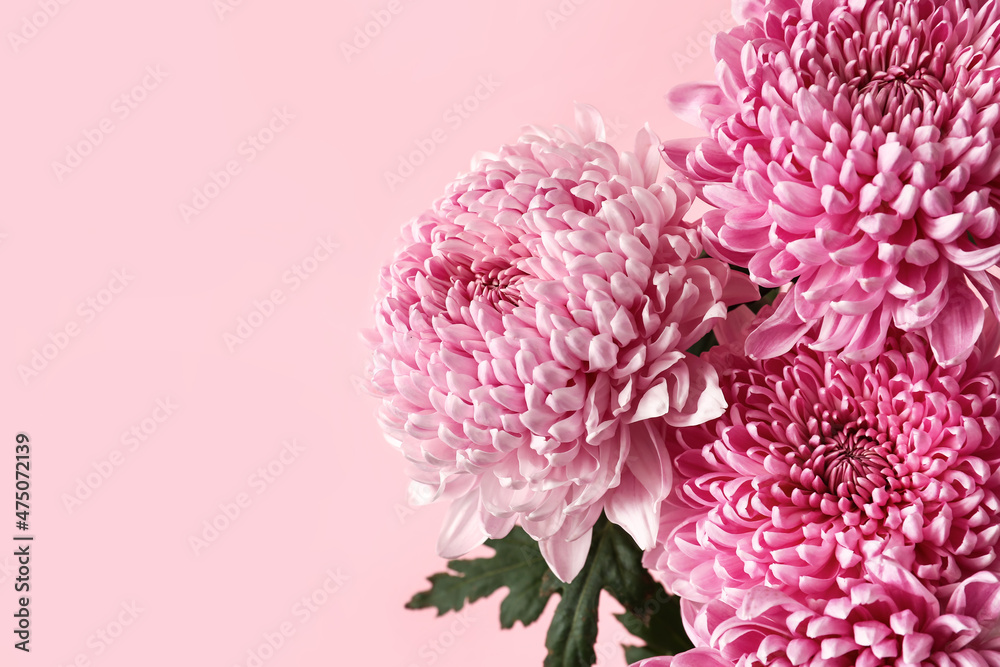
(772, 434)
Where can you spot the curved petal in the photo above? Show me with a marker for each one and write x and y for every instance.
(463, 528)
(956, 329)
(566, 558)
(645, 482)
(688, 100)
(778, 333)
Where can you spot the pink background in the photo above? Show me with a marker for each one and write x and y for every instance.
(158, 332)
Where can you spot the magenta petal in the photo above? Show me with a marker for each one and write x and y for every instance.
(989, 287)
(802, 198)
(903, 583)
(760, 600)
(675, 151)
(696, 657)
(733, 331)
(778, 333)
(740, 289)
(957, 327)
(972, 260)
(947, 228)
(978, 595)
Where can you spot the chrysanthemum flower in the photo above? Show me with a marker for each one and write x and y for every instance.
(853, 148)
(530, 342)
(821, 464)
(888, 618)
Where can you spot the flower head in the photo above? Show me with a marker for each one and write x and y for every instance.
(853, 148)
(821, 464)
(530, 342)
(887, 618)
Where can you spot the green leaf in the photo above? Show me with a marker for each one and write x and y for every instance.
(662, 629)
(767, 297)
(516, 564)
(634, 654)
(526, 603)
(573, 631)
(625, 577)
(614, 564)
(705, 343)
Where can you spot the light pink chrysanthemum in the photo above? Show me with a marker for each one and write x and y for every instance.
(531, 341)
(888, 618)
(820, 464)
(853, 148)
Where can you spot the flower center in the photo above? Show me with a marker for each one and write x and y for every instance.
(497, 285)
(852, 463)
(897, 90)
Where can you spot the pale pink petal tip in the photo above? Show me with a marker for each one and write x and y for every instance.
(463, 530)
(645, 482)
(688, 101)
(566, 558)
(744, 10)
(590, 123)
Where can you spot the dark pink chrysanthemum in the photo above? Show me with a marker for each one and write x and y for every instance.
(530, 343)
(887, 618)
(696, 657)
(820, 464)
(853, 149)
